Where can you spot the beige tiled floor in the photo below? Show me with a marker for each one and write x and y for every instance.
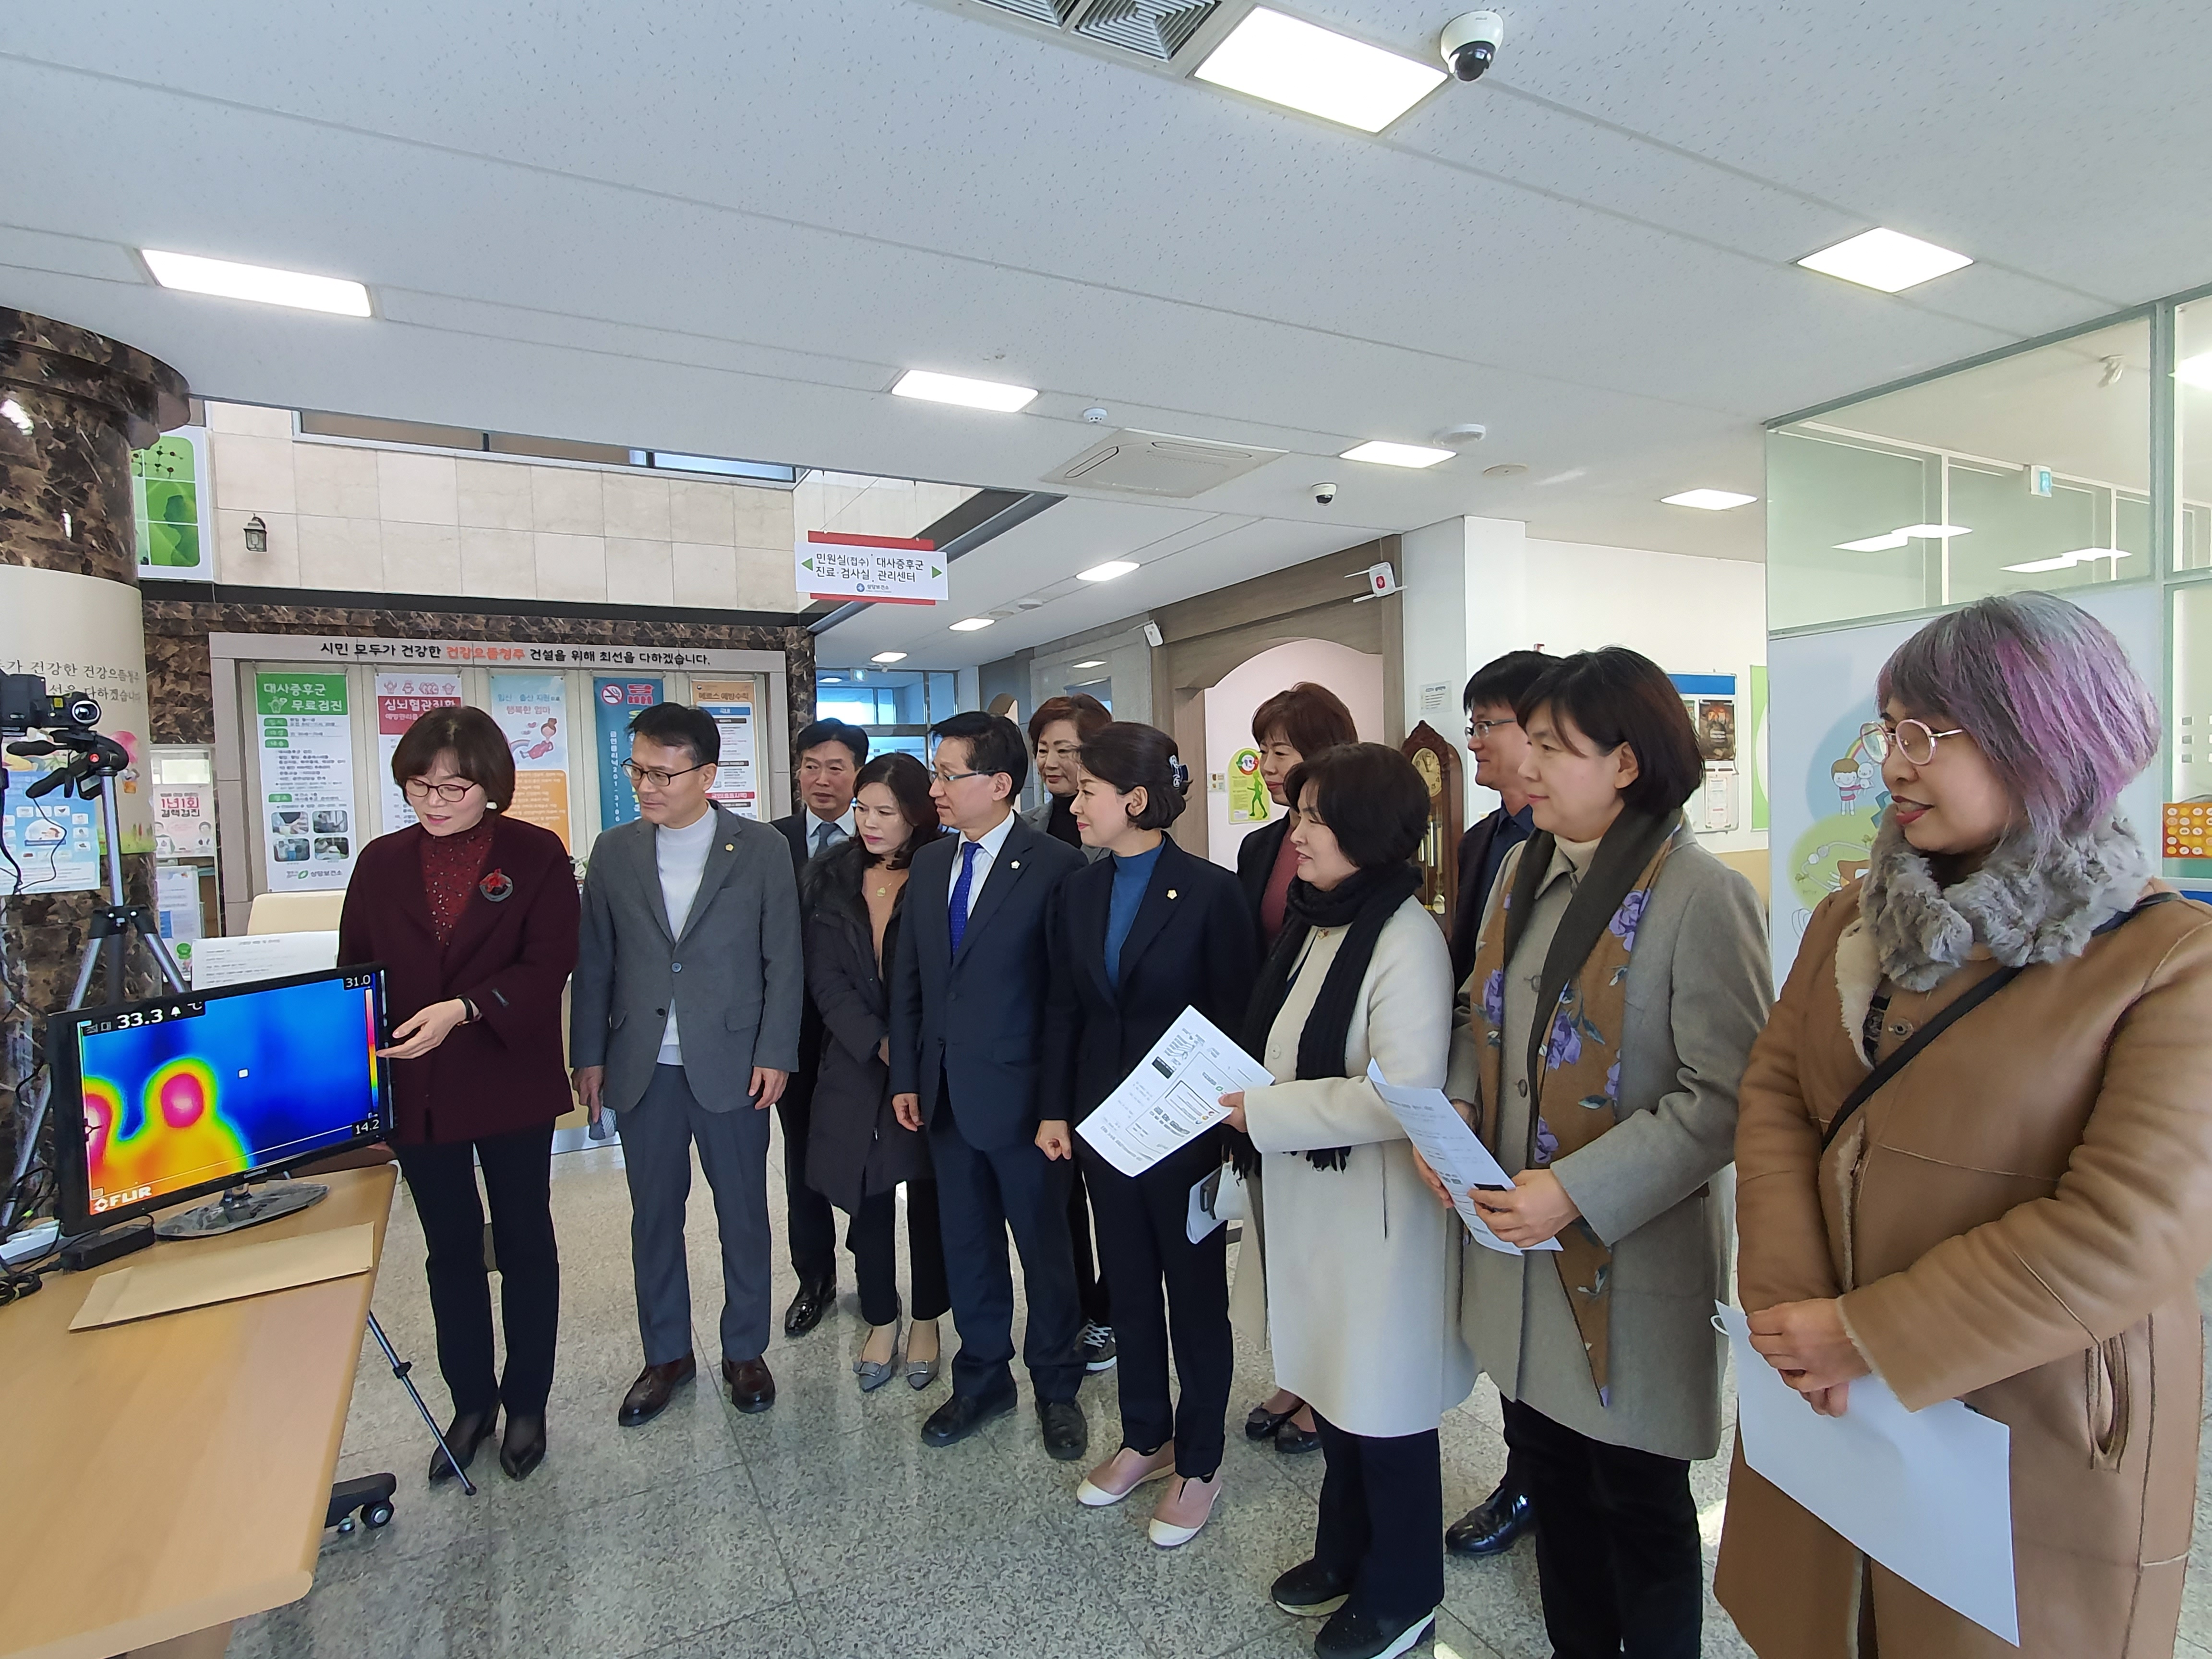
(824, 1527)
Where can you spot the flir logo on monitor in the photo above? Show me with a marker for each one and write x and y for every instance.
(110, 1200)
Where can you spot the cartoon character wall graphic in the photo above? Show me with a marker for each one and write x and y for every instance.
(536, 742)
(1248, 790)
(179, 1130)
(1836, 849)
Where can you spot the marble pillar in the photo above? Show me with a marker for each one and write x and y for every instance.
(73, 405)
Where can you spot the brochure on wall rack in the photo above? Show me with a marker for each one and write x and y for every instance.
(1173, 1096)
(1447, 1146)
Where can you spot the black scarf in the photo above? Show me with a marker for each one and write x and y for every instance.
(1366, 902)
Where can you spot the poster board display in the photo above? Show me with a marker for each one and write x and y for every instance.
(614, 702)
(737, 779)
(401, 700)
(174, 507)
(304, 732)
(532, 711)
(184, 821)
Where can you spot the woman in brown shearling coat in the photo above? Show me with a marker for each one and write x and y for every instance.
(2017, 1217)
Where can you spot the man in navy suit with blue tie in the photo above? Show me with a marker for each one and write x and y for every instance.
(967, 1010)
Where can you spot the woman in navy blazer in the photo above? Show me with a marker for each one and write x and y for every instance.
(473, 915)
(1134, 940)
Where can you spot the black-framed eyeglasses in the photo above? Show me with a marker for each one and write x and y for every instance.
(423, 789)
(1915, 740)
(657, 777)
(1478, 730)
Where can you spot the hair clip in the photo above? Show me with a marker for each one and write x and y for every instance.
(1179, 772)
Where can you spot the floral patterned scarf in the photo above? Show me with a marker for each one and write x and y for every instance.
(1576, 1056)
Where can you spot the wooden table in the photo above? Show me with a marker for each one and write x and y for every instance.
(161, 1479)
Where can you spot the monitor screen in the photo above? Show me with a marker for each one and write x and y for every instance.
(185, 1094)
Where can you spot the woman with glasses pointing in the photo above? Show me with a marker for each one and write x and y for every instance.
(474, 916)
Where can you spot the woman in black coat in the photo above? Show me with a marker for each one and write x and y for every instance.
(858, 1154)
(1135, 939)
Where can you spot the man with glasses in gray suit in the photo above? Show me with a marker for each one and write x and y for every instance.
(685, 1024)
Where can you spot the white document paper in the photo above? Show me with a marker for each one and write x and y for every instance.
(1455, 1151)
(1173, 1096)
(243, 957)
(1926, 1493)
(1199, 1222)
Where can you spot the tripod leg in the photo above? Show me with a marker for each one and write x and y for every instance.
(399, 1369)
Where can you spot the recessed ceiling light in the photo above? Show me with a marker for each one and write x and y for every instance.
(1095, 662)
(191, 274)
(1886, 259)
(1383, 454)
(1106, 572)
(1713, 501)
(969, 394)
(888, 656)
(2194, 371)
(969, 625)
(1873, 543)
(1305, 67)
(832, 679)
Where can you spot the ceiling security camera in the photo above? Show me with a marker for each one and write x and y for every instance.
(1470, 42)
(1323, 494)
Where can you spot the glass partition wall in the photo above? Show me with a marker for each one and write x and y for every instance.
(2081, 464)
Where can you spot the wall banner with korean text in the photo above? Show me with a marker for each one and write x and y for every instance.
(401, 700)
(614, 703)
(737, 777)
(532, 711)
(305, 735)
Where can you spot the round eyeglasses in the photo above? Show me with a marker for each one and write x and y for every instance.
(1915, 740)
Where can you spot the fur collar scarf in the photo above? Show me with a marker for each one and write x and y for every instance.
(2025, 906)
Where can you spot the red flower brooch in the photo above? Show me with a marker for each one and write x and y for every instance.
(498, 887)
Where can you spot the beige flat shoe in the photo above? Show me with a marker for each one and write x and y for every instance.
(1122, 1473)
(1184, 1510)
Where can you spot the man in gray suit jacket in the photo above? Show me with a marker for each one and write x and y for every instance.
(684, 1023)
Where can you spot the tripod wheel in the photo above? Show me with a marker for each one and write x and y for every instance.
(378, 1515)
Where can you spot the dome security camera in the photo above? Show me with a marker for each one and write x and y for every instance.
(1323, 494)
(1470, 41)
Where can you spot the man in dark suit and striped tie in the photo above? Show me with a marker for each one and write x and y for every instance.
(967, 1009)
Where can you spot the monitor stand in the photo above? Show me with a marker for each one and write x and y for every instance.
(243, 1206)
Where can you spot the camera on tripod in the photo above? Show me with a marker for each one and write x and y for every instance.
(26, 706)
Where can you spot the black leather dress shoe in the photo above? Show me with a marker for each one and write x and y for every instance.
(752, 1388)
(1490, 1527)
(656, 1384)
(467, 1431)
(962, 1415)
(522, 1448)
(1067, 1436)
(814, 1299)
(1260, 1424)
(1292, 1441)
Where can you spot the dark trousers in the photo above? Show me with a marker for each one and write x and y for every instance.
(1091, 1289)
(1382, 1522)
(1144, 1244)
(658, 1134)
(517, 1173)
(1617, 1552)
(873, 1239)
(811, 1227)
(982, 1194)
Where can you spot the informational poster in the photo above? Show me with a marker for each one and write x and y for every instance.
(170, 501)
(184, 821)
(614, 702)
(306, 779)
(401, 700)
(883, 568)
(54, 840)
(532, 711)
(1249, 800)
(177, 900)
(81, 635)
(736, 780)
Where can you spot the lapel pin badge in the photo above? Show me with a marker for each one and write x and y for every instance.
(498, 887)
(729, 847)
(1017, 864)
(1171, 892)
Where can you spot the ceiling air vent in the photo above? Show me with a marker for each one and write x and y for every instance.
(1051, 13)
(1157, 28)
(1161, 463)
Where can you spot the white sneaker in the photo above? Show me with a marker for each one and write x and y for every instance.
(1122, 1473)
(1185, 1508)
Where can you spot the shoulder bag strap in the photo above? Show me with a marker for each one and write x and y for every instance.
(1943, 1021)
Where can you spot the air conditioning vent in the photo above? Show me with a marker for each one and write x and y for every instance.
(1051, 13)
(1161, 463)
(1157, 28)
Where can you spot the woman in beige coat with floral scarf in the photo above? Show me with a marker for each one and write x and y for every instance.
(2016, 1217)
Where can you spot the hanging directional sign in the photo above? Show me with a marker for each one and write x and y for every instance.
(884, 569)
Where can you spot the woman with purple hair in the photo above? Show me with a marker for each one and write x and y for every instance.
(1974, 1152)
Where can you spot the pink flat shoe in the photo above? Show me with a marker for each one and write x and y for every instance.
(1184, 1510)
(1122, 1473)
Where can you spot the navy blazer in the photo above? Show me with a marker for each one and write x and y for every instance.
(976, 1018)
(1191, 946)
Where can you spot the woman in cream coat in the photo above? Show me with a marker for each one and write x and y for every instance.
(1362, 1269)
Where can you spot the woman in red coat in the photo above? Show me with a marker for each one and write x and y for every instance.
(474, 916)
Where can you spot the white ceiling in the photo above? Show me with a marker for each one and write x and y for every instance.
(724, 229)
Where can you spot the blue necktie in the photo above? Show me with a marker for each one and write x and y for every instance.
(956, 916)
(825, 831)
